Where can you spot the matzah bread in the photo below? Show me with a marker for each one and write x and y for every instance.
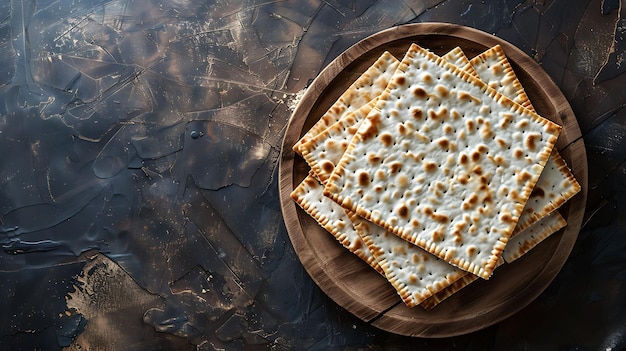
(494, 69)
(457, 58)
(368, 85)
(400, 171)
(556, 184)
(324, 150)
(525, 240)
(332, 217)
(414, 273)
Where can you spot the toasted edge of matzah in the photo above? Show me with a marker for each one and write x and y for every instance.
(550, 133)
(527, 239)
(309, 196)
(442, 295)
(554, 188)
(519, 244)
(406, 266)
(495, 70)
(365, 88)
(454, 288)
(458, 58)
(324, 150)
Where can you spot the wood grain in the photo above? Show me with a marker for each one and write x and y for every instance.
(354, 285)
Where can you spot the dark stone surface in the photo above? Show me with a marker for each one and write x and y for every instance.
(140, 142)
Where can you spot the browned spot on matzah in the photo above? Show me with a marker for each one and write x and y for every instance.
(443, 143)
(328, 167)
(531, 141)
(420, 93)
(372, 129)
(430, 166)
(417, 113)
(374, 159)
(403, 211)
(387, 139)
(395, 167)
(442, 90)
(364, 178)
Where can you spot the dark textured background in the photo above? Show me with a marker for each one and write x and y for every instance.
(138, 196)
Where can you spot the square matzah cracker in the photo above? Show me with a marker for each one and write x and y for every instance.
(556, 184)
(324, 150)
(414, 273)
(332, 217)
(445, 162)
(368, 85)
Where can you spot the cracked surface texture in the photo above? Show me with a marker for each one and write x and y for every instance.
(138, 195)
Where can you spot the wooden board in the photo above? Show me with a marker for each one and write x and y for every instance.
(354, 285)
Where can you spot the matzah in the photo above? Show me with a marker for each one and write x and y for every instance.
(494, 69)
(400, 171)
(530, 237)
(324, 150)
(556, 184)
(368, 85)
(414, 273)
(457, 57)
(332, 217)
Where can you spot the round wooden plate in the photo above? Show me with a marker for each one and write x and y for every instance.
(353, 284)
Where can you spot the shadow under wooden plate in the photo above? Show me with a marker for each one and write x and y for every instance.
(353, 284)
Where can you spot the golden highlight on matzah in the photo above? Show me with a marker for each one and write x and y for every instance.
(457, 58)
(444, 162)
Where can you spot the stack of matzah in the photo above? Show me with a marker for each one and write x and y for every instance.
(435, 170)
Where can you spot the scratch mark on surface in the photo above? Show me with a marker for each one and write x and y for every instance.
(251, 7)
(335, 8)
(71, 28)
